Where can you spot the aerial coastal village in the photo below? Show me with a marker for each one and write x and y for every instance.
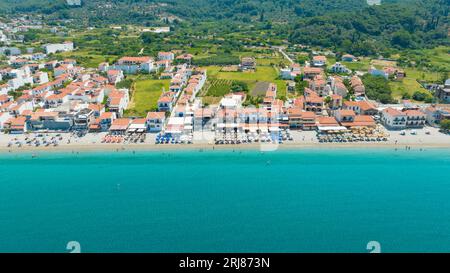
(45, 101)
(251, 130)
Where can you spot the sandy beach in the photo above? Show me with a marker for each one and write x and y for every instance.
(302, 140)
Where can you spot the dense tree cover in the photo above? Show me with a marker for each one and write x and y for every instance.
(309, 8)
(121, 11)
(445, 125)
(239, 86)
(422, 96)
(377, 88)
(38, 6)
(349, 26)
(415, 24)
(126, 83)
(222, 59)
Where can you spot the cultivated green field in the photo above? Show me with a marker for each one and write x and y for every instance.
(145, 95)
(219, 87)
(410, 85)
(361, 65)
(262, 74)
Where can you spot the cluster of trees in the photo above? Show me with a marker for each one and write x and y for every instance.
(239, 86)
(349, 26)
(445, 125)
(35, 6)
(422, 96)
(378, 29)
(146, 11)
(377, 88)
(221, 59)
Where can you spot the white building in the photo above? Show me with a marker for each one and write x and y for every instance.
(339, 68)
(20, 77)
(155, 121)
(4, 89)
(54, 48)
(74, 2)
(133, 65)
(415, 118)
(40, 78)
(115, 76)
(38, 56)
(393, 118)
(166, 56)
(4, 117)
(3, 37)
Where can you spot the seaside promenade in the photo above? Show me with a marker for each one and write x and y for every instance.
(301, 139)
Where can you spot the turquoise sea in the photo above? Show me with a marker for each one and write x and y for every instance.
(225, 201)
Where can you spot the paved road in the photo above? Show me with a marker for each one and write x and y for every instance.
(281, 50)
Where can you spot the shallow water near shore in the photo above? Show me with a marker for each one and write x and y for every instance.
(224, 201)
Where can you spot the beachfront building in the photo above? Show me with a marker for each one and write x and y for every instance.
(437, 113)
(105, 120)
(202, 118)
(119, 126)
(393, 118)
(360, 121)
(82, 119)
(138, 125)
(4, 117)
(345, 115)
(177, 126)
(443, 92)
(49, 120)
(323, 121)
(415, 118)
(361, 107)
(15, 125)
(301, 120)
(155, 121)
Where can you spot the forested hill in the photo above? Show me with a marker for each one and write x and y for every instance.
(415, 24)
(345, 25)
(144, 11)
(134, 10)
